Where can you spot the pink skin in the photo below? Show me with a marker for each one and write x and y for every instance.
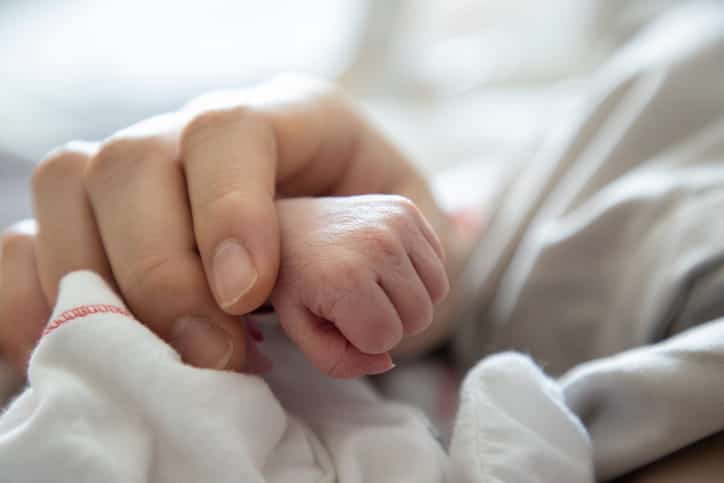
(357, 274)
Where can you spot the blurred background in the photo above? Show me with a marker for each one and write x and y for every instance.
(465, 83)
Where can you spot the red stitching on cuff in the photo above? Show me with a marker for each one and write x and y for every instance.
(84, 311)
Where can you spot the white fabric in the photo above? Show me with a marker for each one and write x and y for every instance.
(109, 401)
(611, 240)
(646, 403)
(513, 426)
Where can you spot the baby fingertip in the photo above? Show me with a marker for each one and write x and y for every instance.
(386, 367)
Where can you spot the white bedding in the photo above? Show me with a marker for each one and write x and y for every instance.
(109, 401)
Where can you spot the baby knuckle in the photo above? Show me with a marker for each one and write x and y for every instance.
(347, 269)
(420, 318)
(335, 367)
(405, 204)
(382, 336)
(336, 290)
(404, 212)
(331, 303)
(384, 241)
(439, 286)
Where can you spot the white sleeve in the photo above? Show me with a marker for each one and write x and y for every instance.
(513, 427)
(646, 403)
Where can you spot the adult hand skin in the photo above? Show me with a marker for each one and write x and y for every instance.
(178, 211)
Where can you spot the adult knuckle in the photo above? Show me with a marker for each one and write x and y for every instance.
(210, 123)
(12, 348)
(204, 124)
(125, 153)
(61, 166)
(156, 277)
(11, 243)
(222, 204)
(12, 246)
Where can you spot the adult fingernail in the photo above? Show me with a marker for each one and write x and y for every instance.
(234, 272)
(202, 343)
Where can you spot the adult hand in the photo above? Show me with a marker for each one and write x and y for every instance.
(178, 211)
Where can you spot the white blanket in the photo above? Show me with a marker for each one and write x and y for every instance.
(109, 401)
(608, 249)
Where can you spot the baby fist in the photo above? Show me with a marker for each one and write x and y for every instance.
(357, 274)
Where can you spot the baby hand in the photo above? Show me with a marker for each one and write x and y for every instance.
(357, 274)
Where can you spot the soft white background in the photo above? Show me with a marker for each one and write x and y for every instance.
(452, 82)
